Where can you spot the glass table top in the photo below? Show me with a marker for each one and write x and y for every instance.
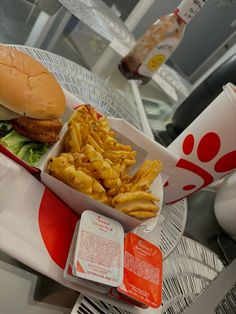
(52, 26)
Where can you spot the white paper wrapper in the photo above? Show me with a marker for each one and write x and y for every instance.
(36, 228)
(207, 148)
(30, 225)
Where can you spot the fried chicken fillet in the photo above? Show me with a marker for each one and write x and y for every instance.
(45, 131)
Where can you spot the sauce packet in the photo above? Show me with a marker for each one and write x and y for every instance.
(69, 274)
(142, 271)
(99, 250)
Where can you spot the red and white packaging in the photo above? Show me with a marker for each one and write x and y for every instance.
(68, 271)
(36, 227)
(142, 271)
(99, 250)
(206, 148)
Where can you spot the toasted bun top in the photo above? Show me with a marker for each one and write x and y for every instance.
(27, 87)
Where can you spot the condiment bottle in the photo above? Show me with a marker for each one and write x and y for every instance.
(159, 42)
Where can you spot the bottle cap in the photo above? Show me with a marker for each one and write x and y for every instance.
(188, 9)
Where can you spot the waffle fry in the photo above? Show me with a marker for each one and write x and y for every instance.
(142, 214)
(143, 178)
(131, 196)
(81, 181)
(104, 169)
(95, 163)
(136, 206)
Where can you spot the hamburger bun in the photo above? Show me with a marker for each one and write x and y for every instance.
(27, 87)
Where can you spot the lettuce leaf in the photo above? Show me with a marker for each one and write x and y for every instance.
(14, 141)
(24, 148)
(32, 152)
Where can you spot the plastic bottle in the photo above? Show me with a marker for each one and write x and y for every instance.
(159, 42)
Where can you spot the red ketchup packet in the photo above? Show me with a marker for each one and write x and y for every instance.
(142, 271)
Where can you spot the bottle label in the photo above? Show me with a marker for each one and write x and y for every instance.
(158, 56)
(189, 8)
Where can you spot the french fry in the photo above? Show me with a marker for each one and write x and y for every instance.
(94, 144)
(137, 205)
(131, 196)
(62, 170)
(73, 139)
(146, 174)
(109, 176)
(142, 215)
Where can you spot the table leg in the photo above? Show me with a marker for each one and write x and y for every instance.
(47, 29)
